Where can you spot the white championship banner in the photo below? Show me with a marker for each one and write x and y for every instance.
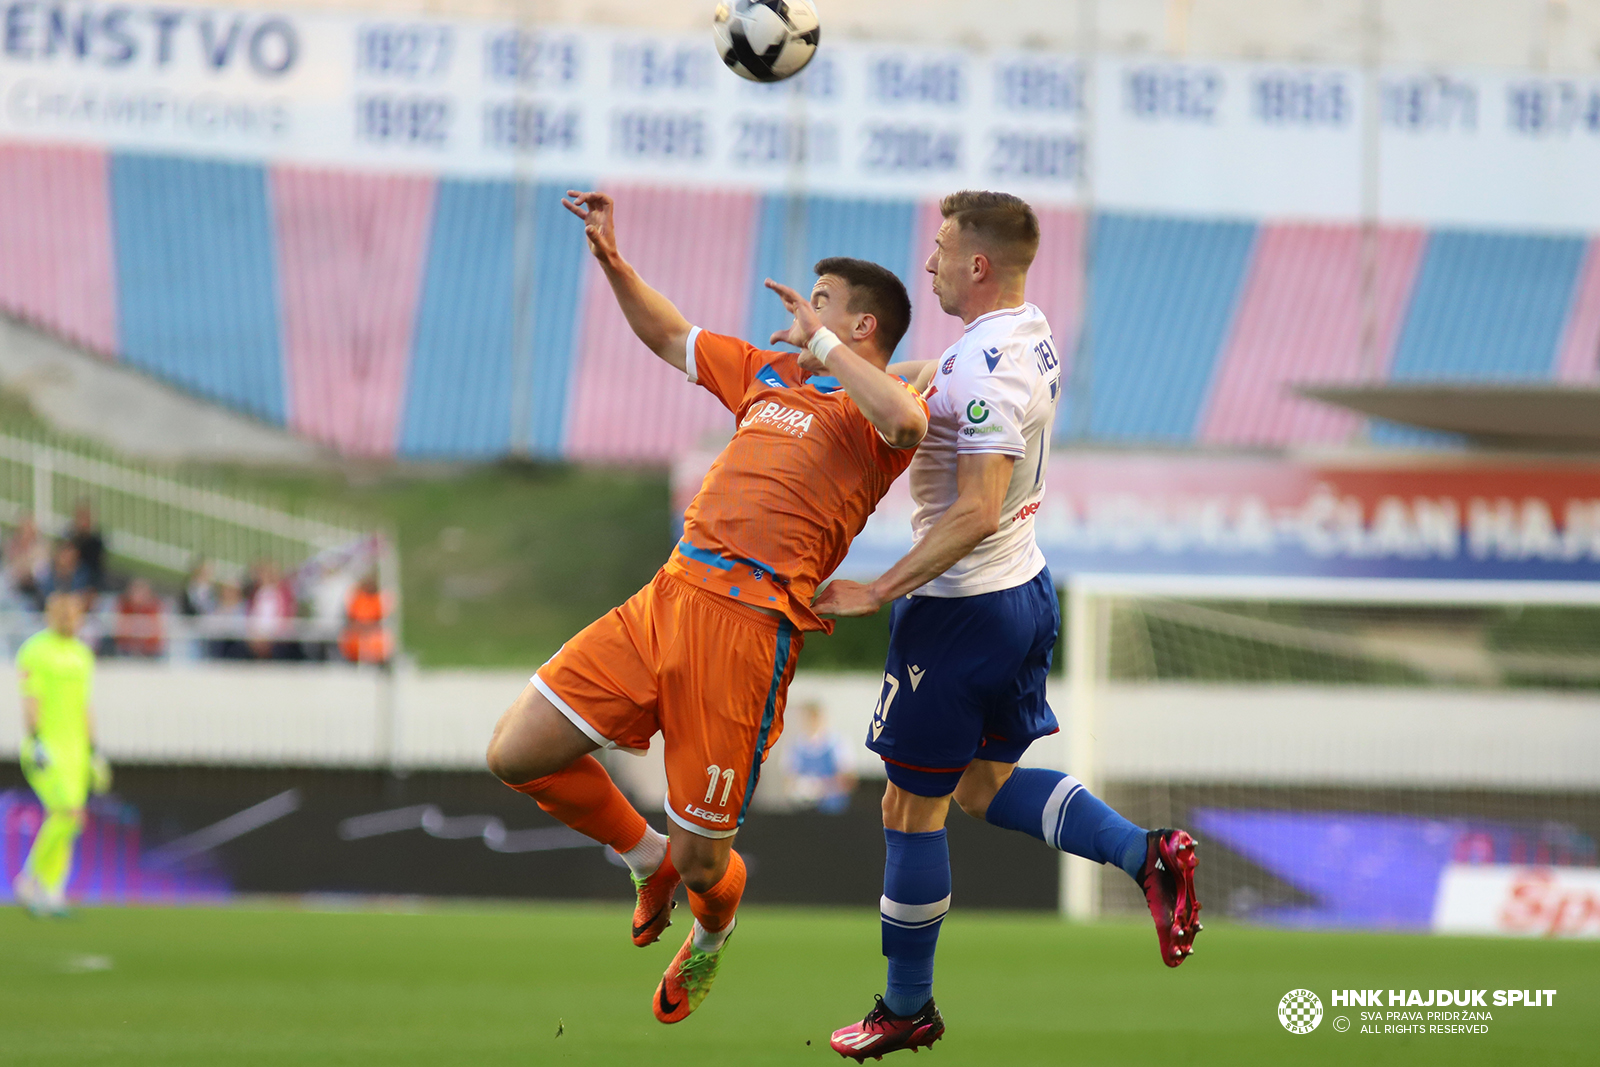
(475, 98)
(1518, 901)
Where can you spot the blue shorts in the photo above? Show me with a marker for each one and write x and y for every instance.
(965, 680)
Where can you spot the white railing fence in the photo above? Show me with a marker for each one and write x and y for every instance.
(160, 519)
(169, 520)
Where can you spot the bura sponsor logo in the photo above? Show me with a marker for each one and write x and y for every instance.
(790, 420)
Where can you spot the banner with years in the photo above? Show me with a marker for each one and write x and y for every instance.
(473, 98)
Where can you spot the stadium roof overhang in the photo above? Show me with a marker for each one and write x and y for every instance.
(1544, 417)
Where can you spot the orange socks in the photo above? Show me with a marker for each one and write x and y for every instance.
(713, 910)
(585, 798)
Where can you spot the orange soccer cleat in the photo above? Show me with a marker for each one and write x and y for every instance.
(687, 981)
(652, 910)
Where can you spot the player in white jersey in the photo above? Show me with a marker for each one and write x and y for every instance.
(973, 628)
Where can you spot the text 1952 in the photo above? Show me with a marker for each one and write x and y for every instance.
(383, 118)
(1050, 86)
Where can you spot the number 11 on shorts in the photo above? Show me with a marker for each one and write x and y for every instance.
(713, 773)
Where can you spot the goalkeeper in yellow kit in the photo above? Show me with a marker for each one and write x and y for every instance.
(58, 756)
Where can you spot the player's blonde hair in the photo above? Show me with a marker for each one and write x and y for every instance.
(1004, 225)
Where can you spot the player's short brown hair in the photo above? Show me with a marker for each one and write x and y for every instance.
(1005, 225)
(875, 290)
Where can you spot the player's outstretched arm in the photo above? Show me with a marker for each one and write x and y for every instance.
(654, 319)
(981, 482)
(917, 372)
(888, 405)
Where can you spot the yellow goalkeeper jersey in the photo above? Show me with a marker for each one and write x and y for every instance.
(58, 671)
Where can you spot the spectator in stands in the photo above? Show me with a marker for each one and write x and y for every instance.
(91, 546)
(366, 637)
(66, 574)
(232, 609)
(139, 631)
(819, 765)
(199, 590)
(272, 613)
(26, 559)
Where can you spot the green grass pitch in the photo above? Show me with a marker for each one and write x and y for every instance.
(491, 985)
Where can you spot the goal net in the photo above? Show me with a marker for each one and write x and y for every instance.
(1350, 754)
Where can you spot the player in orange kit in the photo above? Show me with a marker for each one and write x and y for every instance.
(705, 652)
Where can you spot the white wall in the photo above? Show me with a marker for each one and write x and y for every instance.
(311, 716)
(1350, 735)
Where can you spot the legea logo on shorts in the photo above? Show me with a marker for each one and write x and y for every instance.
(1300, 1011)
(708, 816)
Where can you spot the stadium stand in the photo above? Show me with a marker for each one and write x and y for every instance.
(1164, 291)
(350, 249)
(197, 285)
(1300, 318)
(236, 281)
(58, 269)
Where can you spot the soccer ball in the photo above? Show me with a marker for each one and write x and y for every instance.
(766, 40)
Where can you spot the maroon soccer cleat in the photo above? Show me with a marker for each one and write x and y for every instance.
(883, 1031)
(1168, 883)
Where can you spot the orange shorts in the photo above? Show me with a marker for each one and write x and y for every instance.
(711, 675)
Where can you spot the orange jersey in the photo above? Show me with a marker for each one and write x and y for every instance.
(804, 471)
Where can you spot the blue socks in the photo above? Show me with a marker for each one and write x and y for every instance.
(1059, 811)
(1051, 806)
(916, 895)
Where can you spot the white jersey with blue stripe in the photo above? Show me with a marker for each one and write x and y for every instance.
(995, 390)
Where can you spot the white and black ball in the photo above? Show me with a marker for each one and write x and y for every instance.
(766, 40)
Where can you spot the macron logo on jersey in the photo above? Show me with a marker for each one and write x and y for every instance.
(991, 356)
(791, 421)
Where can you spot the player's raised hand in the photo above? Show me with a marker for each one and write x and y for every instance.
(597, 210)
(845, 598)
(805, 322)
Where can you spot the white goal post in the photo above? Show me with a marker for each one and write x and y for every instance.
(1402, 705)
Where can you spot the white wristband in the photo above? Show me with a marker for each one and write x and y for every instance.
(823, 342)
